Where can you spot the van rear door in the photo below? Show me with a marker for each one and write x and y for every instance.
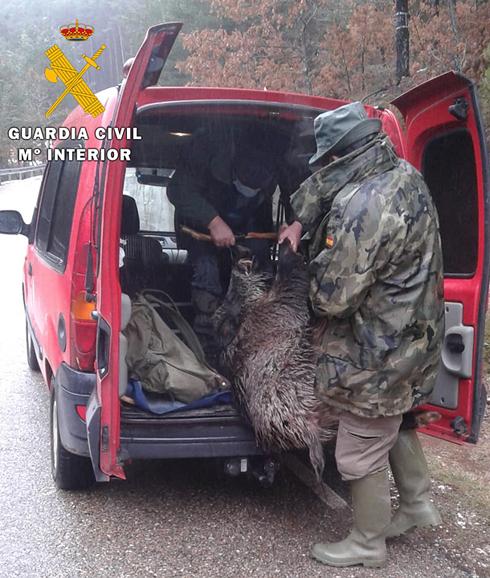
(145, 71)
(446, 142)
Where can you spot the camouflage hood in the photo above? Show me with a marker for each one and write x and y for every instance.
(375, 157)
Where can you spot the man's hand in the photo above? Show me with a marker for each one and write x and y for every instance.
(292, 233)
(221, 234)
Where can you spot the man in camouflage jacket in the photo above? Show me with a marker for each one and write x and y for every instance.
(376, 278)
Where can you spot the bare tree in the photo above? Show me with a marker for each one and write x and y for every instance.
(402, 40)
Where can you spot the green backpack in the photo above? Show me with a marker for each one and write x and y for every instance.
(162, 361)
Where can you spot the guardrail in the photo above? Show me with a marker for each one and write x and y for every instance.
(17, 173)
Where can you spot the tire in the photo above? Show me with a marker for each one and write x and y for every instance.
(69, 471)
(31, 352)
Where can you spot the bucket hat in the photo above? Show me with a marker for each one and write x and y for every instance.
(341, 127)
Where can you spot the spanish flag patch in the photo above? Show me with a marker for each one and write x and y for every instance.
(329, 241)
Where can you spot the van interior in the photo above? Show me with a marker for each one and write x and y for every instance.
(153, 253)
(154, 257)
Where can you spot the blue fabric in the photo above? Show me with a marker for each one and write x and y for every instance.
(161, 407)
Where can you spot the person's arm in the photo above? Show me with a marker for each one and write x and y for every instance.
(220, 232)
(288, 184)
(358, 243)
(292, 233)
(185, 192)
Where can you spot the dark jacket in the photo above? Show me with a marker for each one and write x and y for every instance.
(198, 196)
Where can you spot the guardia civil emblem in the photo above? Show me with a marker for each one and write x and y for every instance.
(62, 69)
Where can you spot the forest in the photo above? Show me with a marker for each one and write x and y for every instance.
(323, 47)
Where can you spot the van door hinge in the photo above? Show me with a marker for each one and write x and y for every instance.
(459, 109)
(105, 438)
(122, 457)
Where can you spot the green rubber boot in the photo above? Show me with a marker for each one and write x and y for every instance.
(412, 479)
(371, 512)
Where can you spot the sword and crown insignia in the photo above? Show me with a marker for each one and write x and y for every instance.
(62, 69)
(76, 32)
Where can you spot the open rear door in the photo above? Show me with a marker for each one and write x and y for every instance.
(446, 142)
(145, 71)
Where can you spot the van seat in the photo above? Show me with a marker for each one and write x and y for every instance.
(144, 257)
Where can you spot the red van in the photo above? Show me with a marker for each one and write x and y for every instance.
(75, 294)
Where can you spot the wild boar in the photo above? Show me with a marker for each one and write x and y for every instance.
(264, 329)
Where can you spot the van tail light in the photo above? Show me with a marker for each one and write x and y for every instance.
(83, 332)
(81, 309)
(83, 327)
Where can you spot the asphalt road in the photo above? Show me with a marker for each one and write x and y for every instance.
(181, 518)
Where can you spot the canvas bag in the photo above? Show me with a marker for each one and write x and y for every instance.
(159, 359)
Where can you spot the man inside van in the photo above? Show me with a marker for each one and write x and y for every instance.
(222, 186)
(376, 279)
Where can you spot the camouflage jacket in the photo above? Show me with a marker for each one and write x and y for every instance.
(376, 275)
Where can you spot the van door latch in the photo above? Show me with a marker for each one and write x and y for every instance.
(459, 426)
(455, 343)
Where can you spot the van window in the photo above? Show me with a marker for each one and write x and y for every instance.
(148, 188)
(450, 172)
(56, 210)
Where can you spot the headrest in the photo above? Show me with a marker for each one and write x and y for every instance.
(130, 224)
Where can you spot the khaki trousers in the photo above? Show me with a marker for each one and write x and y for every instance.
(363, 444)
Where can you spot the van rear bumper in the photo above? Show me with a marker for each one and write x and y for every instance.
(201, 435)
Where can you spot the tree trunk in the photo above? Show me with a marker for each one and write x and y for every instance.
(451, 4)
(402, 39)
(306, 45)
